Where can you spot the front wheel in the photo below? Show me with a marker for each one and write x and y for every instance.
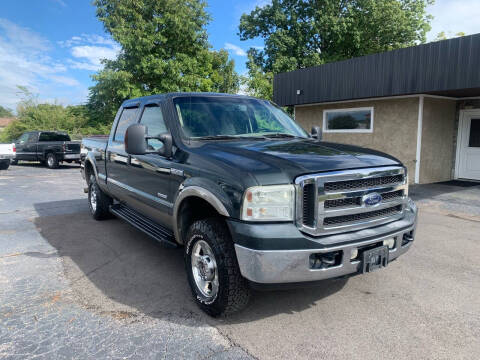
(13, 162)
(212, 268)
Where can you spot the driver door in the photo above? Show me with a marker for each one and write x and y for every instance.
(149, 175)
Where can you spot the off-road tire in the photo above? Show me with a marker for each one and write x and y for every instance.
(101, 210)
(4, 165)
(52, 161)
(233, 292)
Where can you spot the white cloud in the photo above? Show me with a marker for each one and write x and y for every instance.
(94, 55)
(88, 51)
(25, 60)
(237, 50)
(453, 16)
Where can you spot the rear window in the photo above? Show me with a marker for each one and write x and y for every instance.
(126, 119)
(50, 136)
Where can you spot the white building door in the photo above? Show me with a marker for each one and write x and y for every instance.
(468, 145)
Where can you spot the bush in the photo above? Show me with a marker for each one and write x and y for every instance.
(51, 117)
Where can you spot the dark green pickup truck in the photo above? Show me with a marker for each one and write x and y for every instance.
(49, 147)
(251, 197)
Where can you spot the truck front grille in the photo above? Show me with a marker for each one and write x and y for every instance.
(363, 183)
(329, 203)
(362, 216)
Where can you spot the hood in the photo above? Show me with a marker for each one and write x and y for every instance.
(281, 161)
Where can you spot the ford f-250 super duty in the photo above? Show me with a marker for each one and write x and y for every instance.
(251, 197)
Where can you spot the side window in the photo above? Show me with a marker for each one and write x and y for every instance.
(23, 137)
(126, 119)
(32, 137)
(152, 118)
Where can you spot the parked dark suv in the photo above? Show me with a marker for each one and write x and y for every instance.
(250, 195)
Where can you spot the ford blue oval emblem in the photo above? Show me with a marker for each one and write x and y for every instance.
(372, 199)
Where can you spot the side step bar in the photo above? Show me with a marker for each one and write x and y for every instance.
(144, 224)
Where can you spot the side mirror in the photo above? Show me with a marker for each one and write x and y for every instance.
(136, 141)
(317, 133)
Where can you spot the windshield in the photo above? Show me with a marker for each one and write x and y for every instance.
(217, 117)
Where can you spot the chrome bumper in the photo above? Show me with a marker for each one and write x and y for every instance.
(287, 266)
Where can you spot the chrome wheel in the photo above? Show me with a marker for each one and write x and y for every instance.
(204, 269)
(93, 198)
(50, 161)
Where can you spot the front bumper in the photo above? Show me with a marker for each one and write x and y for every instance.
(265, 254)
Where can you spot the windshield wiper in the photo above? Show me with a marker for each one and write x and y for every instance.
(229, 137)
(216, 137)
(278, 135)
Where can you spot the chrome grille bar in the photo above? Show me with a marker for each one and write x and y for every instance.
(337, 205)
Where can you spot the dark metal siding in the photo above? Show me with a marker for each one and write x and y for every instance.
(439, 67)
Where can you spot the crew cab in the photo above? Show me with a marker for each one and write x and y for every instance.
(48, 147)
(7, 154)
(252, 198)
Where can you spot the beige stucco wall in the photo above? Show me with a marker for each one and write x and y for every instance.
(438, 136)
(394, 127)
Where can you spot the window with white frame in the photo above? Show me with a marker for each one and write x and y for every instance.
(350, 120)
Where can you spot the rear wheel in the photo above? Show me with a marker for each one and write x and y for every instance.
(98, 202)
(52, 161)
(212, 268)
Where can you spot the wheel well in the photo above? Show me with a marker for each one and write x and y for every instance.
(88, 171)
(193, 209)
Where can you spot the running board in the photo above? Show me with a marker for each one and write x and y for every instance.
(144, 224)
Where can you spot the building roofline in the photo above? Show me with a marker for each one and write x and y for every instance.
(445, 68)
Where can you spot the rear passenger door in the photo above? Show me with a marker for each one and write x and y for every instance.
(117, 158)
(150, 178)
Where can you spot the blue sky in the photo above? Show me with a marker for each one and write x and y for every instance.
(54, 46)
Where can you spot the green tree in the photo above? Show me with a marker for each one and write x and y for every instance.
(164, 48)
(258, 83)
(5, 112)
(32, 115)
(302, 33)
(442, 35)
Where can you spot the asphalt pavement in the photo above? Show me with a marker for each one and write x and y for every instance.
(72, 287)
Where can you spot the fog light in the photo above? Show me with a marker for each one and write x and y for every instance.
(390, 243)
(354, 254)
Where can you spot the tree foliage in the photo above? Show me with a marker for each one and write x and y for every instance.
(164, 48)
(32, 115)
(302, 33)
(5, 112)
(442, 35)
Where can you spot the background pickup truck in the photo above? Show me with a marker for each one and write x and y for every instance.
(251, 197)
(48, 147)
(7, 154)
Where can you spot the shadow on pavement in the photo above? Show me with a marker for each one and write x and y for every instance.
(114, 268)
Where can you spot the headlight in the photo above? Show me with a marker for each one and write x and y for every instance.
(269, 203)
